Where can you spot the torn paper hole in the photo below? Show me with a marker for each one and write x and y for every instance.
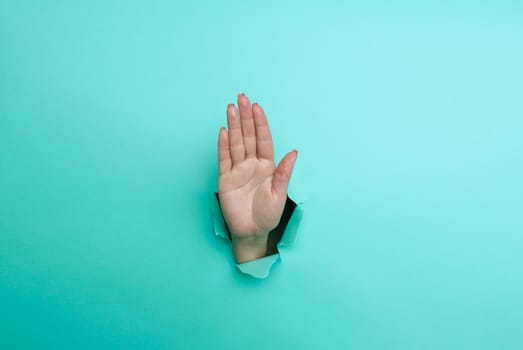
(282, 236)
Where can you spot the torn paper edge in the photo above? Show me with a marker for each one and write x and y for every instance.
(259, 268)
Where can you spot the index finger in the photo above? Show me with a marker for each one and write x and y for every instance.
(264, 146)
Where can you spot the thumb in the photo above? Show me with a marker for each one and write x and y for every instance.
(282, 174)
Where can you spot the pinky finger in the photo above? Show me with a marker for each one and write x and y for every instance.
(224, 156)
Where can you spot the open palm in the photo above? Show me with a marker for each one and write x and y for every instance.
(251, 189)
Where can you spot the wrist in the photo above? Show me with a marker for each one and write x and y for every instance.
(249, 248)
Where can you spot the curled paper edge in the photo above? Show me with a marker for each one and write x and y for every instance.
(259, 268)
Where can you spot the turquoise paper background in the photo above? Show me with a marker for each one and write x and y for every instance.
(408, 120)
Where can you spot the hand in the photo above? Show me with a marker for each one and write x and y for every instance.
(252, 191)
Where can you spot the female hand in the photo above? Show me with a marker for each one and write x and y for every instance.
(252, 191)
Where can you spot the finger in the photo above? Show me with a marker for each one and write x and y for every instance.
(236, 147)
(247, 122)
(264, 147)
(282, 174)
(224, 157)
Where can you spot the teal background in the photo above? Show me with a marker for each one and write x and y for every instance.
(408, 120)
